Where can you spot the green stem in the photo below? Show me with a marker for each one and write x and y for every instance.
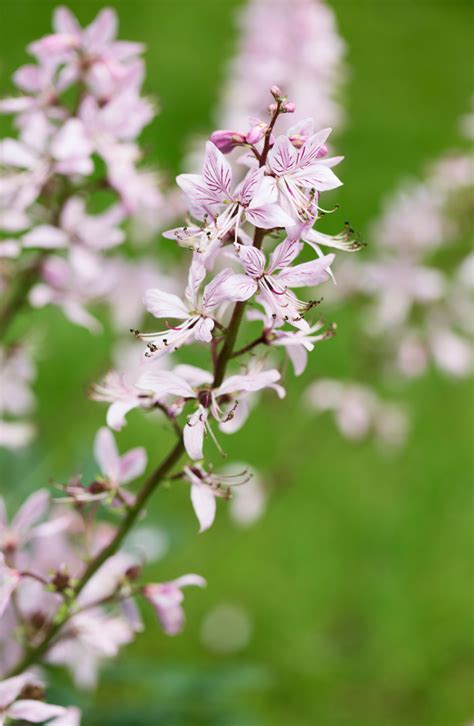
(19, 294)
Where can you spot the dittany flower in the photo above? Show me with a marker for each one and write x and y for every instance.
(167, 597)
(273, 282)
(206, 486)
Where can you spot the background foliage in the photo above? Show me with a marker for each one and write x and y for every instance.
(356, 580)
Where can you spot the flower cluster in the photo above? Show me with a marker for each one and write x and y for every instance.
(69, 183)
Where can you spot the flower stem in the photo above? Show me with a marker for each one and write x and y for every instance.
(19, 293)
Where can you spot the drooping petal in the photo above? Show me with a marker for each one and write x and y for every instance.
(204, 505)
(117, 411)
(193, 434)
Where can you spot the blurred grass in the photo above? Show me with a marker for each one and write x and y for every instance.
(358, 578)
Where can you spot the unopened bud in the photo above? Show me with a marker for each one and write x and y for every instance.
(276, 92)
(60, 581)
(289, 107)
(256, 133)
(272, 107)
(133, 572)
(226, 140)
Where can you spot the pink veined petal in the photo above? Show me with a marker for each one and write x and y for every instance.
(308, 154)
(308, 273)
(106, 454)
(102, 30)
(267, 192)
(34, 711)
(268, 216)
(46, 237)
(238, 287)
(204, 505)
(203, 330)
(33, 509)
(248, 187)
(282, 156)
(117, 411)
(217, 172)
(132, 464)
(284, 254)
(165, 305)
(252, 259)
(318, 176)
(64, 21)
(164, 383)
(196, 275)
(213, 292)
(193, 434)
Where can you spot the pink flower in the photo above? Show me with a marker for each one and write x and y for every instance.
(273, 286)
(24, 526)
(118, 469)
(97, 232)
(210, 193)
(71, 284)
(299, 175)
(167, 597)
(188, 383)
(206, 487)
(21, 708)
(195, 312)
(123, 394)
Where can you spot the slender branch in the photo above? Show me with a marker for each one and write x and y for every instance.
(19, 294)
(156, 477)
(248, 347)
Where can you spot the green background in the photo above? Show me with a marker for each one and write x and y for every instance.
(357, 580)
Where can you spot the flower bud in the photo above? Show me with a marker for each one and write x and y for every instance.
(276, 92)
(256, 133)
(226, 140)
(289, 107)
